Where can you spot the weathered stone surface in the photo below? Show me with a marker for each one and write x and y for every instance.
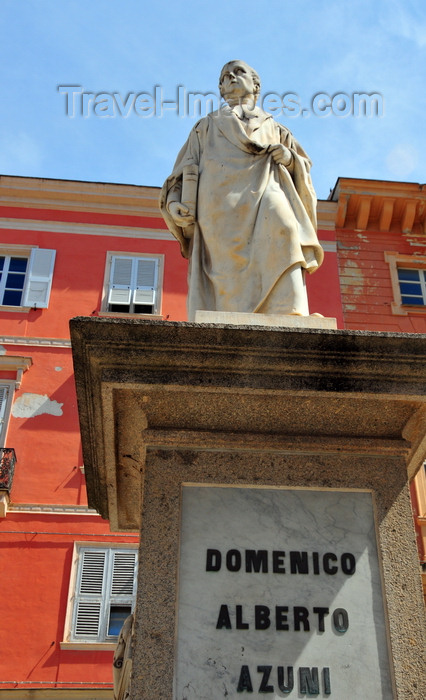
(164, 404)
(270, 320)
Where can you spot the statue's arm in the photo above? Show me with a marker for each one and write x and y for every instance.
(300, 170)
(298, 153)
(180, 213)
(281, 155)
(181, 200)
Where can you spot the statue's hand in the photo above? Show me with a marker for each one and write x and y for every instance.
(281, 154)
(180, 214)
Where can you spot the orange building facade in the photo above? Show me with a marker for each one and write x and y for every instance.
(72, 249)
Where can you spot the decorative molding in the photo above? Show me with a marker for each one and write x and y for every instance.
(117, 314)
(50, 190)
(51, 509)
(329, 246)
(326, 214)
(270, 443)
(86, 229)
(114, 231)
(383, 206)
(81, 203)
(34, 341)
(10, 363)
(75, 195)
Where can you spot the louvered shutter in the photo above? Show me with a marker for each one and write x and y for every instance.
(106, 581)
(120, 290)
(146, 281)
(39, 278)
(89, 596)
(123, 574)
(4, 393)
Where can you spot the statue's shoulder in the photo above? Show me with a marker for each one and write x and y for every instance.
(212, 116)
(202, 123)
(286, 137)
(266, 117)
(284, 130)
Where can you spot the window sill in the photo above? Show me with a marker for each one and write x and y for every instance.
(14, 309)
(88, 646)
(401, 310)
(117, 314)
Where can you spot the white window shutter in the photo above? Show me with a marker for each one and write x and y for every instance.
(92, 572)
(123, 573)
(88, 618)
(90, 589)
(146, 281)
(120, 288)
(4, 392)
(39, 278)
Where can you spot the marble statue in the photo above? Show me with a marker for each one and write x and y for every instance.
(241, 203)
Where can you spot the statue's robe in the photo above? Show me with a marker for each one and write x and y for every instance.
(255, 220)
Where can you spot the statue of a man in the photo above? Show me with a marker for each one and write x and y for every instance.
(241, 203)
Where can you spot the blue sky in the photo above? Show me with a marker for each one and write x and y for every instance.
(304, 47)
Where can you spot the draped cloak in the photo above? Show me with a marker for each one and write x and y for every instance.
(255, 219)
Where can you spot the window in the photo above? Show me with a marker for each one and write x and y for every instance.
(6, 393)
(26, 278)
(12, 279)
(104, 593)
(134, 284)
(408, 278)
(412, 285)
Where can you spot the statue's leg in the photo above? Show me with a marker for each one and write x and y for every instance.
(288, 295)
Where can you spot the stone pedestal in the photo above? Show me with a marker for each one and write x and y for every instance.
(268, 471)
(235, 318)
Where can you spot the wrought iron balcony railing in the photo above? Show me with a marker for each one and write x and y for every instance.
(7, 467)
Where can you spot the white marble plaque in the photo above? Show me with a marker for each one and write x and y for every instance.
(279, 595)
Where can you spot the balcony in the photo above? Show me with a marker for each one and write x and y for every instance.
(7, 468)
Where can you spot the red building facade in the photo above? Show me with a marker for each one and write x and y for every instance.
(380, 232)
(79, 249)
(66, 249)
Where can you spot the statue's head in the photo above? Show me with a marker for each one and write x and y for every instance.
(238, 80)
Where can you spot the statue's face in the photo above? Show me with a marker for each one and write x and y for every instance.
(236, 81)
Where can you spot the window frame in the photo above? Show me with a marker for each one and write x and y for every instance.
(31, 277)
(157, 306)
(6, 409)
(71, 640)
(397, 261)
(4, 275)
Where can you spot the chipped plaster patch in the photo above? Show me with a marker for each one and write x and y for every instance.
(2, 350)
(30, 405)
